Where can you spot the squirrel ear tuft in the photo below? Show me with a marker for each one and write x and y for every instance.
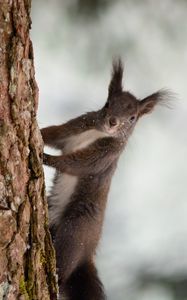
(161, 97)
(115, 86)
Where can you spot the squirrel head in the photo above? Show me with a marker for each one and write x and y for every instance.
(122, 109)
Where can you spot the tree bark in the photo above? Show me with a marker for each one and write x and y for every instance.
(27, 261)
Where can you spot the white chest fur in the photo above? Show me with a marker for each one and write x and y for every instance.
(62, 190)
(82, 140)
(65, 184)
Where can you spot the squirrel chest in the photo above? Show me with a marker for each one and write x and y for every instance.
(65, 184)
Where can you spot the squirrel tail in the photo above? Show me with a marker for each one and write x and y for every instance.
(84, 284)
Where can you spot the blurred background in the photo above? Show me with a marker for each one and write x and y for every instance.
(143, 251)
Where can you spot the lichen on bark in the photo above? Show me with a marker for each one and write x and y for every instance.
(27, 261)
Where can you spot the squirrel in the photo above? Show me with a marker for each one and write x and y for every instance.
(91, 145)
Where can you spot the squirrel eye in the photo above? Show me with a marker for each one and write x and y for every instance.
(132, 119)
(113, 121)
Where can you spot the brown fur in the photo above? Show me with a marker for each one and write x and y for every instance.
(77, 232)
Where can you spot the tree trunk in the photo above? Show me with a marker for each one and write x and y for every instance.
(27, 261)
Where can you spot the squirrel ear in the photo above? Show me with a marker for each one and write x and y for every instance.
(115, 86)
(148, 103)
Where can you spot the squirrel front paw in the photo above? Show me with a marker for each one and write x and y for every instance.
(46, 159)
(53, 161)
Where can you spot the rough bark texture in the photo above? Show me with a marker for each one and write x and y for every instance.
(27, 263)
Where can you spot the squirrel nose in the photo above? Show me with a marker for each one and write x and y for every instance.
(113, 121)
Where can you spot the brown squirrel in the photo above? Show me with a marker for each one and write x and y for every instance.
(91, 145)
